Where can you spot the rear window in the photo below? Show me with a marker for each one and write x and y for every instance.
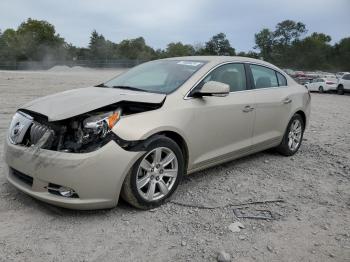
(264, 77)
(282, 81)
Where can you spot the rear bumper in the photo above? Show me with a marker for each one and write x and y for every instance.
(96, 177)
(331, 87)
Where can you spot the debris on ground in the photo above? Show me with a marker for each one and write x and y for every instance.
(202, 206)
(269, 248)
(224, 257)
(253, 213)
(236, 227)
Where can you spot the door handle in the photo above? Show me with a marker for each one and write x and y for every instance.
(287, 101)
(247, 109)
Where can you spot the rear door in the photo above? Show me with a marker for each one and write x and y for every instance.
(272, 105)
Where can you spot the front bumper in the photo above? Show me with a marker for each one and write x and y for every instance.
(96, 177)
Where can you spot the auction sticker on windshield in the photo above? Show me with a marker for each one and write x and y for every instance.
(189, 63)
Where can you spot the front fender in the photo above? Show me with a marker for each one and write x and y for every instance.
(143, 125)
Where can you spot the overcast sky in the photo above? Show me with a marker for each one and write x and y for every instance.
(188, 21)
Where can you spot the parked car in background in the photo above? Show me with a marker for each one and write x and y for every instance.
(299, 74)
(139, 133)
(324, 84)
(343, 84)
(341, 74)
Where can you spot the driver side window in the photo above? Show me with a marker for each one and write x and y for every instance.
(230, 74)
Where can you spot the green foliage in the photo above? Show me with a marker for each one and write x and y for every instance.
(218, 45)
(37, 41)
(179, 49)
(341, 55)
(135, 49)
(8, 45)
(250, 54)
(100, 48)
(285, 46)
(288, 31)
(313, 52)
(264, 41)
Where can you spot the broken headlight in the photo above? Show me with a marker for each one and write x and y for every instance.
(101, 124)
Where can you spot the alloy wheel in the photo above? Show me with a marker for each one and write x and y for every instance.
(157, 174)
(295, 134)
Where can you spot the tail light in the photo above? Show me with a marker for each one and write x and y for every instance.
(330, 83)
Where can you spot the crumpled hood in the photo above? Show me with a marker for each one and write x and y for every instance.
(82, 100)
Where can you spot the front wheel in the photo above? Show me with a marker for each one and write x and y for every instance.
(320, 89)
(293, 136)
(155, 176)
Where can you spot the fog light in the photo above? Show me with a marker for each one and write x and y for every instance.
(66, 192)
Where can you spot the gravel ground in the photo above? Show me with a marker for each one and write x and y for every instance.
(311, 224)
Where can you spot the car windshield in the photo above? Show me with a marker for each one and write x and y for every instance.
(161, 76)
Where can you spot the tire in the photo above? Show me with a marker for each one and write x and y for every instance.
(320, 89)
(148, 184)
(340, 90)
(285, 147)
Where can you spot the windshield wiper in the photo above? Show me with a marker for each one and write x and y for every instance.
(131, 88)
(101, 85)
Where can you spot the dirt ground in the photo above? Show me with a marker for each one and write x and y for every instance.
(311, 224)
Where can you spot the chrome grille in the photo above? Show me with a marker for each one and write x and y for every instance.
(37, 130)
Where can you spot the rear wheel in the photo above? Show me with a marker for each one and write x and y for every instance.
(293, 136)
(340, 90)
(320, 89)
(155, 176)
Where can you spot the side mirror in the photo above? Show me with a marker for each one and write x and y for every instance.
(213, 88)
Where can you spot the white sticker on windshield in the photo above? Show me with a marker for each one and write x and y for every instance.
(189, 63)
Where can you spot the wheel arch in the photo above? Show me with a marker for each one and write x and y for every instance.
(302, 114)
(178, 139)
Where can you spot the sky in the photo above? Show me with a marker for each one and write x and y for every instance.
(189, 21)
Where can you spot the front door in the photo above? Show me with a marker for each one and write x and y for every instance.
(223, 126)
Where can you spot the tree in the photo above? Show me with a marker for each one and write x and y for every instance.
(218, 45)
(8, 45)
(250, 54)
(288, 31)
(179, 49)
(37, 40)
(135, 49)
(341, 55)
(312, 52)
(100, 48)
(264, 41)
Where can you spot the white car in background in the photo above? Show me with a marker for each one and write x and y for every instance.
(339, 75)
(323, 84)
(344, 84)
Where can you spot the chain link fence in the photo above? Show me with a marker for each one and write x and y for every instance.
(44, 65)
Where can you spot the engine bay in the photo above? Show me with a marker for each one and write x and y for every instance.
(83, 133)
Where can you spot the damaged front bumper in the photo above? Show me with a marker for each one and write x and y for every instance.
(96, 177)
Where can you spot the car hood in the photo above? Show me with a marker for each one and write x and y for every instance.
(82, 100)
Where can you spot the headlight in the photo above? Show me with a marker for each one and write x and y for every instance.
(102, 124)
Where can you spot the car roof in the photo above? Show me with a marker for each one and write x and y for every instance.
(223, 59)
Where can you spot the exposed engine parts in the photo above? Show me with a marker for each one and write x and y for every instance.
(83, 133)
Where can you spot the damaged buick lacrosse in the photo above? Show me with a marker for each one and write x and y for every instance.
(136, 135)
